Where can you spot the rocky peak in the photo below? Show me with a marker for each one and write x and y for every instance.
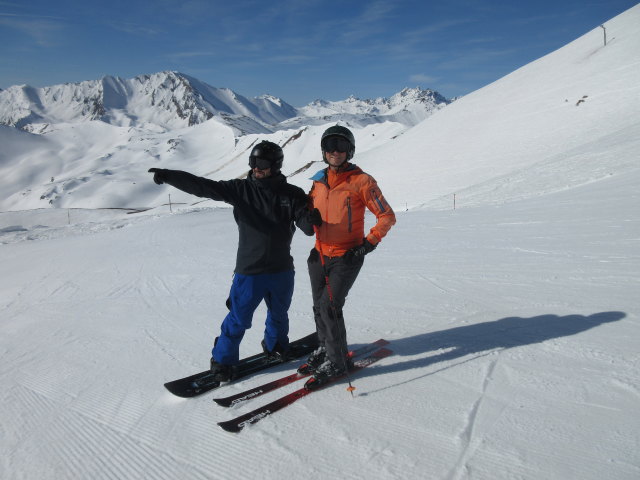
(172, 100)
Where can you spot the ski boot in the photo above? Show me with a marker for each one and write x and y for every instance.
(316, 359)
(326, 373)
(277, 354)
(221, 372)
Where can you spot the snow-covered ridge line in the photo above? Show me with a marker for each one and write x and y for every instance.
(564, 120)
(170, 100)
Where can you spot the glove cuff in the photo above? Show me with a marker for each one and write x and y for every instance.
(368, 246)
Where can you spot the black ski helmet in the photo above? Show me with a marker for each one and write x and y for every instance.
(266, 155)
(340, 131)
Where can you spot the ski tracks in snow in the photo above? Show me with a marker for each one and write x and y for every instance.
(482, 415)
(433, 282)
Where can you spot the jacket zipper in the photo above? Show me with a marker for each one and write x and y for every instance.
(349, 212)
(377, 199)
(325, 218)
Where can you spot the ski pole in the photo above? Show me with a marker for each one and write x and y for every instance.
(334, 310)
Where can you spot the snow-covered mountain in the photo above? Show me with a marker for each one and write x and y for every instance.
(408, 107)
(97, 140)
(84, 137)
(170, 100)
(165, 100)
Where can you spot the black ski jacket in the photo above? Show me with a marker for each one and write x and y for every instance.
(265, 211)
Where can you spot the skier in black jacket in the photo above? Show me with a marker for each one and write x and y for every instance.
(265, 208)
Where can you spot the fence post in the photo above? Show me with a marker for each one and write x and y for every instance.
(605, 34)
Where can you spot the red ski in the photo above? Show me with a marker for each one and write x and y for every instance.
(281, 382)
(237, 424)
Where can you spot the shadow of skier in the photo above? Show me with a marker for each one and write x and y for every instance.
(471, 342)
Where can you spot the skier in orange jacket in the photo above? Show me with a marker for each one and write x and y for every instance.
(341, 192)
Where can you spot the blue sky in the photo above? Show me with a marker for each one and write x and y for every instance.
(298, 50)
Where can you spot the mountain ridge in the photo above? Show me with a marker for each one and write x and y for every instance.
(168, 100)
(564, 120)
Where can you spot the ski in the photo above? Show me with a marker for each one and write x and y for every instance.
(204, 381)
(237, 424)
(281, 382)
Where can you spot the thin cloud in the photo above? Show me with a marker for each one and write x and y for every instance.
(475, 57)
(41, 30)
(413, 45)
(27, 16)
(290, 59)
(376, 11)
(362, 26)
(136, 28)
(423, 33)
(192, 54)
(422, 78)
(480, 40)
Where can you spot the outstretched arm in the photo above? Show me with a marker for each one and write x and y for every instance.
(198, 186)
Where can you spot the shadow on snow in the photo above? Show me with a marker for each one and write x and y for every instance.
(471, 342)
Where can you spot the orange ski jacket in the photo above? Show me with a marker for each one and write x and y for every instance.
(341, 199)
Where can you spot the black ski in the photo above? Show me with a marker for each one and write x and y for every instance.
(203, 382)
(238, 423)
(281, 382)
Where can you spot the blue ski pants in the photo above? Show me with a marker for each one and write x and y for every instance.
(247, 291)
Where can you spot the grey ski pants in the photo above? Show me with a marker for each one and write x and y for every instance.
(328, 312)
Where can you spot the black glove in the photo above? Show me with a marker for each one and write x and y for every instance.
(159, 175)
(359, 252)
(315, 218)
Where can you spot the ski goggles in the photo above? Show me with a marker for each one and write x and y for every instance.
(335, 143)
(261, 163)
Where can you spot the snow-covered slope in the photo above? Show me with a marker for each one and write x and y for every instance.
(575, 111)
(514, 330)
